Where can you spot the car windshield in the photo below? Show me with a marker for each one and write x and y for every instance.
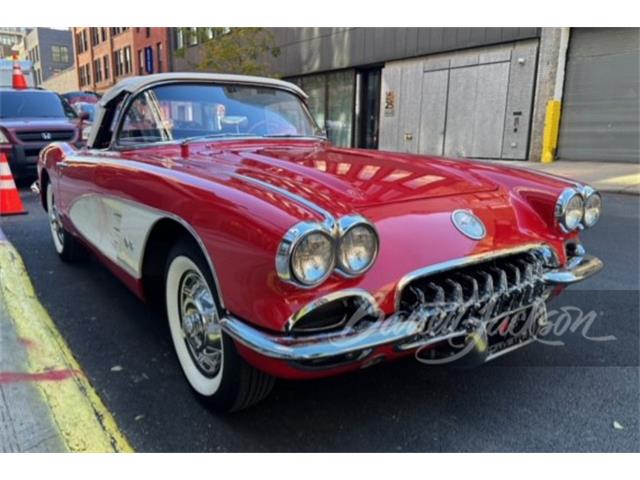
(38, 104)
(192, 111)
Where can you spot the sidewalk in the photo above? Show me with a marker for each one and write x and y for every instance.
(46, 402)
(607, 177)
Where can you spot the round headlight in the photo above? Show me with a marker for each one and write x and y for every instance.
(570, 209)
(312, 258)
(357, 249)
(592, 208)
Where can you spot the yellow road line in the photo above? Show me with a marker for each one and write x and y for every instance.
(84, 422)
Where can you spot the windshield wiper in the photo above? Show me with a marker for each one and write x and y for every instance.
(289, 135)
(187, 140)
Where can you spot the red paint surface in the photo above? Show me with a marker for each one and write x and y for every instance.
(52, 376)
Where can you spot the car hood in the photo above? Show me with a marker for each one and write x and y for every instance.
(333, 177)
(37, 123)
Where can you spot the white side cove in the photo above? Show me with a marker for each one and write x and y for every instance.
(117, 228)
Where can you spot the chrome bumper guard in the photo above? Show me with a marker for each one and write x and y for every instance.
(395, 331)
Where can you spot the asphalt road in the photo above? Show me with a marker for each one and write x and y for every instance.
(542, 398)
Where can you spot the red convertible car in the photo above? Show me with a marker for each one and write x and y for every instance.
(277, 254)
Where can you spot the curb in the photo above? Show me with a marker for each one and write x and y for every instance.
(83, 421)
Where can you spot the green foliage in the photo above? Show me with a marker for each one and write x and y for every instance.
(239, 50)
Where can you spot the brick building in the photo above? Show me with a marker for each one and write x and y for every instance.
(104, 55)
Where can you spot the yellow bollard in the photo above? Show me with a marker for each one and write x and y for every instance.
(551, 130)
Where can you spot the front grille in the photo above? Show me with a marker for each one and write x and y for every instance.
(51, 136)
(470, 294)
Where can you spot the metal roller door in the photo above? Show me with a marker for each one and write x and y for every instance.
(474, 103)
(601, 103)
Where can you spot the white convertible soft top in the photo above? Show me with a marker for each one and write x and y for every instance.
(133, 84)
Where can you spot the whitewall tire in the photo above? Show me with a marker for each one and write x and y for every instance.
(66, 245)
(208, 357)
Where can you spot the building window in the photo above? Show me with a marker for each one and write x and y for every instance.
(331, 101)
(193, 36)
(147, 31)
(117, 61)
(140, 63)
(159, 54)
(59, 54)
(107, 64)
(103, 34)
(37, 53)
(97, 70)
(95, 37)
(128, 66)
(85, 75)
(179, 38)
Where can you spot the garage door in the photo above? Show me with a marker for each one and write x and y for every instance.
(601, 104)
(471, 104)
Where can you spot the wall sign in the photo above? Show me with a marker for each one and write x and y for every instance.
(389, 103)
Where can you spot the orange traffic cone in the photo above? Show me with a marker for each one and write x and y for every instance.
(18, 80)
(10, 202)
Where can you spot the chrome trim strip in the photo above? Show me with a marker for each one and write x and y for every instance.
(328, 218)
(161, 214)
(465, 261)
(577, 269)
(332, 297)
(318, 346)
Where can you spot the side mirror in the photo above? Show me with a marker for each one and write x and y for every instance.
(83, 116)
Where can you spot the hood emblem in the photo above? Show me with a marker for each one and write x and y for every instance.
(468, 224)
(46, 136)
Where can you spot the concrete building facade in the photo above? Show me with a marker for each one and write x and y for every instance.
(50, 50)
(465, 92)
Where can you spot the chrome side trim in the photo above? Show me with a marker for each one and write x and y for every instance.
(132, 265)
(332, 297)
(547, 251)
(577, 269)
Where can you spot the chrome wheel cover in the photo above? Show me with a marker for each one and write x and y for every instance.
(200, 324)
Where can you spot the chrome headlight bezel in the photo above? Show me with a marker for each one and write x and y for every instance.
(561, 209)
(588, 194)
(334, 231)
(287, 248)
(345, 225)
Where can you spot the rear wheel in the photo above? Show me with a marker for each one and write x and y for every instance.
(68, 248)
(208, 356)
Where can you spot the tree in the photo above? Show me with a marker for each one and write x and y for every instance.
(240, 50)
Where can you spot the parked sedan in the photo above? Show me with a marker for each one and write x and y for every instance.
(276, 254)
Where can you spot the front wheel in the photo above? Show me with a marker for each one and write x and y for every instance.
(208, 356)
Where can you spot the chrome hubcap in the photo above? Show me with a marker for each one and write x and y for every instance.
(54, 220)
(199, 323)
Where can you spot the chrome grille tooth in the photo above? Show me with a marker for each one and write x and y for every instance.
(455, 294)
(475, 290)
(488, 289)
(439, 296)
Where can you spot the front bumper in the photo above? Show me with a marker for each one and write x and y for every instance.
(402, 334)
(23, 159)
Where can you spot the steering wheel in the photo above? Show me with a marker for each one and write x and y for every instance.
(266, 123)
